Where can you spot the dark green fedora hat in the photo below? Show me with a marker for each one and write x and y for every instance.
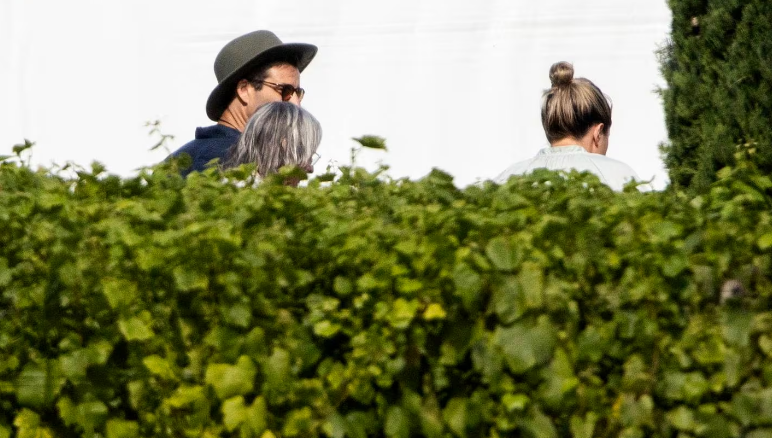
(246, 53)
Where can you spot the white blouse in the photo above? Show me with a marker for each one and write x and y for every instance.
(611, 172)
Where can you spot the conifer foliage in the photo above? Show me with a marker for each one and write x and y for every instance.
(718, 67)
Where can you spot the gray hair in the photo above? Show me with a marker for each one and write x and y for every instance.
(278, 134)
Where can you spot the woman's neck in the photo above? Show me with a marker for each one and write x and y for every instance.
(568, 141)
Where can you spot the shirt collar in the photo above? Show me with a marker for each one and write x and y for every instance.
(572, 149)
(217, 131)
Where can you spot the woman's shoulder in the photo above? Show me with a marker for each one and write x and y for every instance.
(518, 168)
(618, 173)
(612, 163)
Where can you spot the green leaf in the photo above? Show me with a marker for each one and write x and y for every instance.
(454, 415)
(403, 312)
(674, 265)
(583, 427)
(67, 411)
(733, 369)
(515, 402)
(664, 231)
(434, 311)
(239, 315)
(122, 429)
(526, 346)
(257, 416)
(637, 412)
(508, 300)
(753, 408)
(367, 282)
(343, 286)
(765, 242)
(326, 177)
(28, 425)
(592, 344)
(503, 254)
(538, 425)
(160, 367)
(326, 329)
(137, 394)
(5, 273)
(255, 343)
(234, 413)
(37, 386)
(560, 381)
(409, 286)
(371, 142)
(682, 418)
(431, 420)
(765, 344)
(99, 351)
(74, 364)
(737, 326)
(119, 292)
(231, 380)
(19, 148)
(397, 424)
(360, 424)
(91, 415)
(335, 426)
(135, 329)
(277, 369)
(531, 281)
(299, 422)
(185, 396)
(468, 285)
(685, 386)
(187, 279)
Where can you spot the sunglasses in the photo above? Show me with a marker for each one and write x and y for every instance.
(286, 90)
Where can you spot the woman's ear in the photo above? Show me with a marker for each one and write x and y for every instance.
(598, 131)
(597, 137)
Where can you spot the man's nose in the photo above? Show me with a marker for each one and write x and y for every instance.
(294, 99)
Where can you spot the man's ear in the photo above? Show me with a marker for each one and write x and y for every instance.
(242, 91)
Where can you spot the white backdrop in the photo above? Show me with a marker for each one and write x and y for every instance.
(450, 84)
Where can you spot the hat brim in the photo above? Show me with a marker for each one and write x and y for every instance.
(297, 54)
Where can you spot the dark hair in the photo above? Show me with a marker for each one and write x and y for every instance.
(278, 134)
(572, 106)
(257, 76)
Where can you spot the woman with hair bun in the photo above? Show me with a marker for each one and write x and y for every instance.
(576, 117)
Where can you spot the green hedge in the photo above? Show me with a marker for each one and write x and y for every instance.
(718, 68)
(546, 307)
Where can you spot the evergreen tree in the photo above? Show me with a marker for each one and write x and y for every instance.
(718, 67)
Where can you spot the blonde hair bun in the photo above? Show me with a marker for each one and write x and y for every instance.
(561, 74)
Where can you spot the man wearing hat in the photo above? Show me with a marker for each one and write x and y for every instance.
(251, 70)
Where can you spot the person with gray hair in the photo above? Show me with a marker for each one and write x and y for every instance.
(251, 70)
(278, 134)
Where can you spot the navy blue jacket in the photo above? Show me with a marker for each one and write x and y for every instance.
(211, 142)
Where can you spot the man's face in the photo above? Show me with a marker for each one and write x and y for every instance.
(282, 74)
